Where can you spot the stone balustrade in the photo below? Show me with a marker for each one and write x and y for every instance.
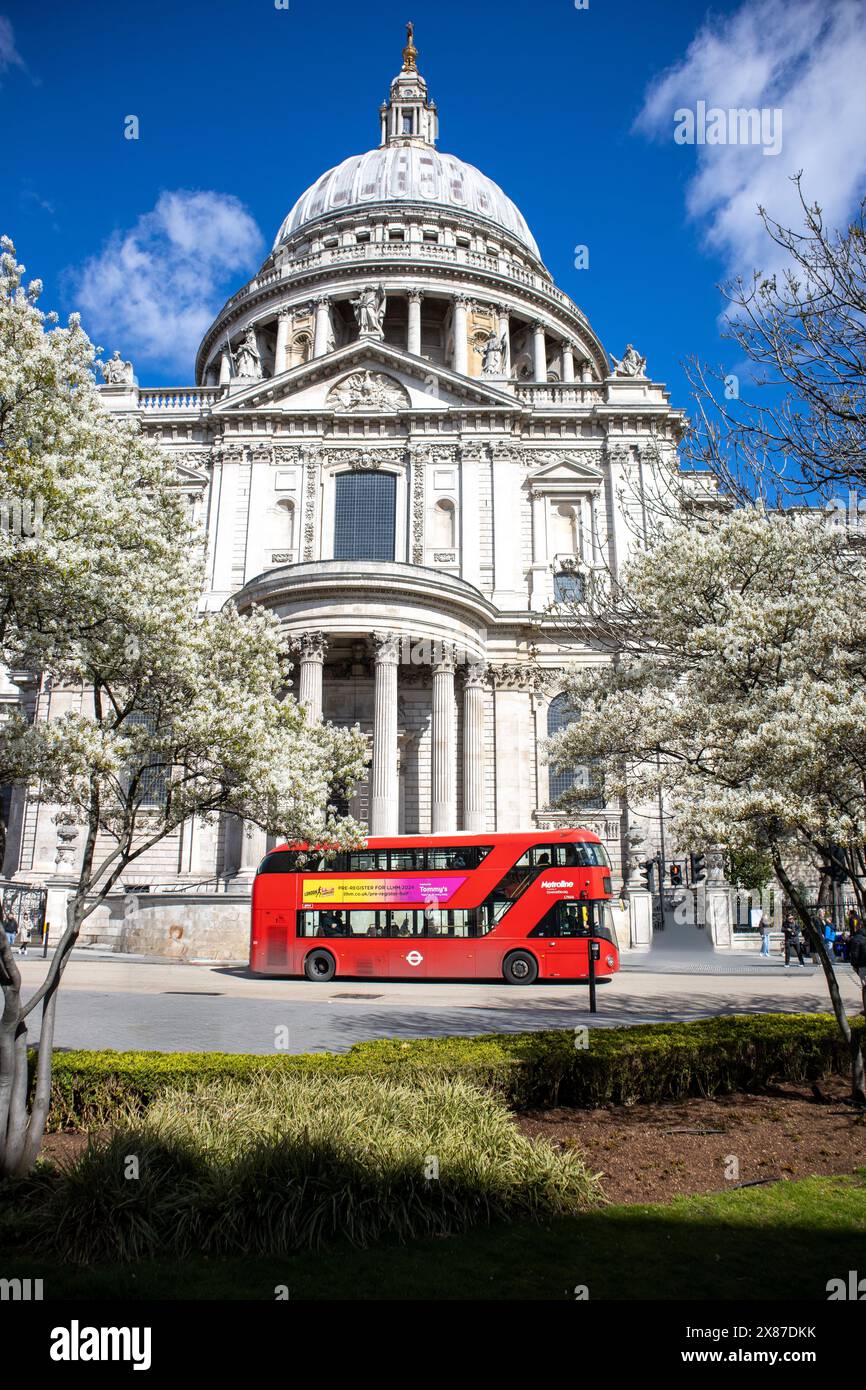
(402, 251)
(178, 398)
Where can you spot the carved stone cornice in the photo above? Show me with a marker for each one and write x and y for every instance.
(287, 453)
(363, 457)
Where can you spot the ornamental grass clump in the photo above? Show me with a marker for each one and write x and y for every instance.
(296, 1162)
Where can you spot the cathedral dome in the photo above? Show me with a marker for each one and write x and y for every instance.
(407, 173)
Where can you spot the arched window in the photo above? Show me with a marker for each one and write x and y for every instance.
(560, 713)
(568, 587)
(444, 530)
(364, 516)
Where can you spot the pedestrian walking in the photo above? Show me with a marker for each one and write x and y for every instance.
(10, 926)
(764, 929)
(24, 933)
(792, 940)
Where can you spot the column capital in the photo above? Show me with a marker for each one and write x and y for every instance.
(309, 646)
(445, 663)
(463, 301)
(285, 314)
(414, 296)
(322, 301)
(386, 648)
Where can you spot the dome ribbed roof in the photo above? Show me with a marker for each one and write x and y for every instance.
(407, 174)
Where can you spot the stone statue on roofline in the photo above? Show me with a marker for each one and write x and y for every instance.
(369, 310)
(248, 358)
(632, 364)
(492, 355)
(117, 372)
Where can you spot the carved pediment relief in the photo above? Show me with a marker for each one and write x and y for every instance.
(367, 390)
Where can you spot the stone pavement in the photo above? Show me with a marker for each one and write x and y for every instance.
(126, 1003)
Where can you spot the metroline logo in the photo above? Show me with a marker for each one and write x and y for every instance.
(77, 1343)
(558, 883)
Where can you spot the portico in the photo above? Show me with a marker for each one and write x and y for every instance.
(412, 674)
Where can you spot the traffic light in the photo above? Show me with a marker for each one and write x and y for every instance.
(649, 867)
(697, 867)
(676, 876)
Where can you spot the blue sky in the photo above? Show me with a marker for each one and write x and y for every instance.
(570, 110)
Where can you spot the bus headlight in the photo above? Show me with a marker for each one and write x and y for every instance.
(610, 961)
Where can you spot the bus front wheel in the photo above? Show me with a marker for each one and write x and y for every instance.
(520, 968)
(320, 965)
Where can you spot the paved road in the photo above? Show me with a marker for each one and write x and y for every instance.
(125, 1003)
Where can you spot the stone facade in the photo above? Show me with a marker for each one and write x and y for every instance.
(403, 326)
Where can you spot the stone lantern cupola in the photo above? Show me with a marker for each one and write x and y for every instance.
(409, 117)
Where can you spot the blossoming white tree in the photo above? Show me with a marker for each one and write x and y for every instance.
(101, 596)
(737, 687)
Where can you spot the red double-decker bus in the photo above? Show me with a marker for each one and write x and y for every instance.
(519, 907)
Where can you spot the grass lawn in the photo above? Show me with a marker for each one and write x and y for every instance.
(782, 1241)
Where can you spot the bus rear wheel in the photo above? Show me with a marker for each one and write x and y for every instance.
(520, 968)
(320, 965)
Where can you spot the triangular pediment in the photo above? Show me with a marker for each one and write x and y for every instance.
(367, 377)
(565, 471)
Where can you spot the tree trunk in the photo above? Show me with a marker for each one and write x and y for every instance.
(858, 1076)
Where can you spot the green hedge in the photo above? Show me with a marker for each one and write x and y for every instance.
(620, 1065)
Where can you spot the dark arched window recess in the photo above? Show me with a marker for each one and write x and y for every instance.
(583, 781)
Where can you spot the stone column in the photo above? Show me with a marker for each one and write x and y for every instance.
(413, 339)
(460, 361)
(384, 808)
(539, 352)
(323, 327)
(473, 748)
(311, 648)
(443, 780)
(225, 367)
(281, 353)
(505, 338)
(568, 361)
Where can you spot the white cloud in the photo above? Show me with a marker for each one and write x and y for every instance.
(9, 55)
(805, 57)
(153, 290)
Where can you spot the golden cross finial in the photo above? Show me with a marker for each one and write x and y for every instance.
(410, 52)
